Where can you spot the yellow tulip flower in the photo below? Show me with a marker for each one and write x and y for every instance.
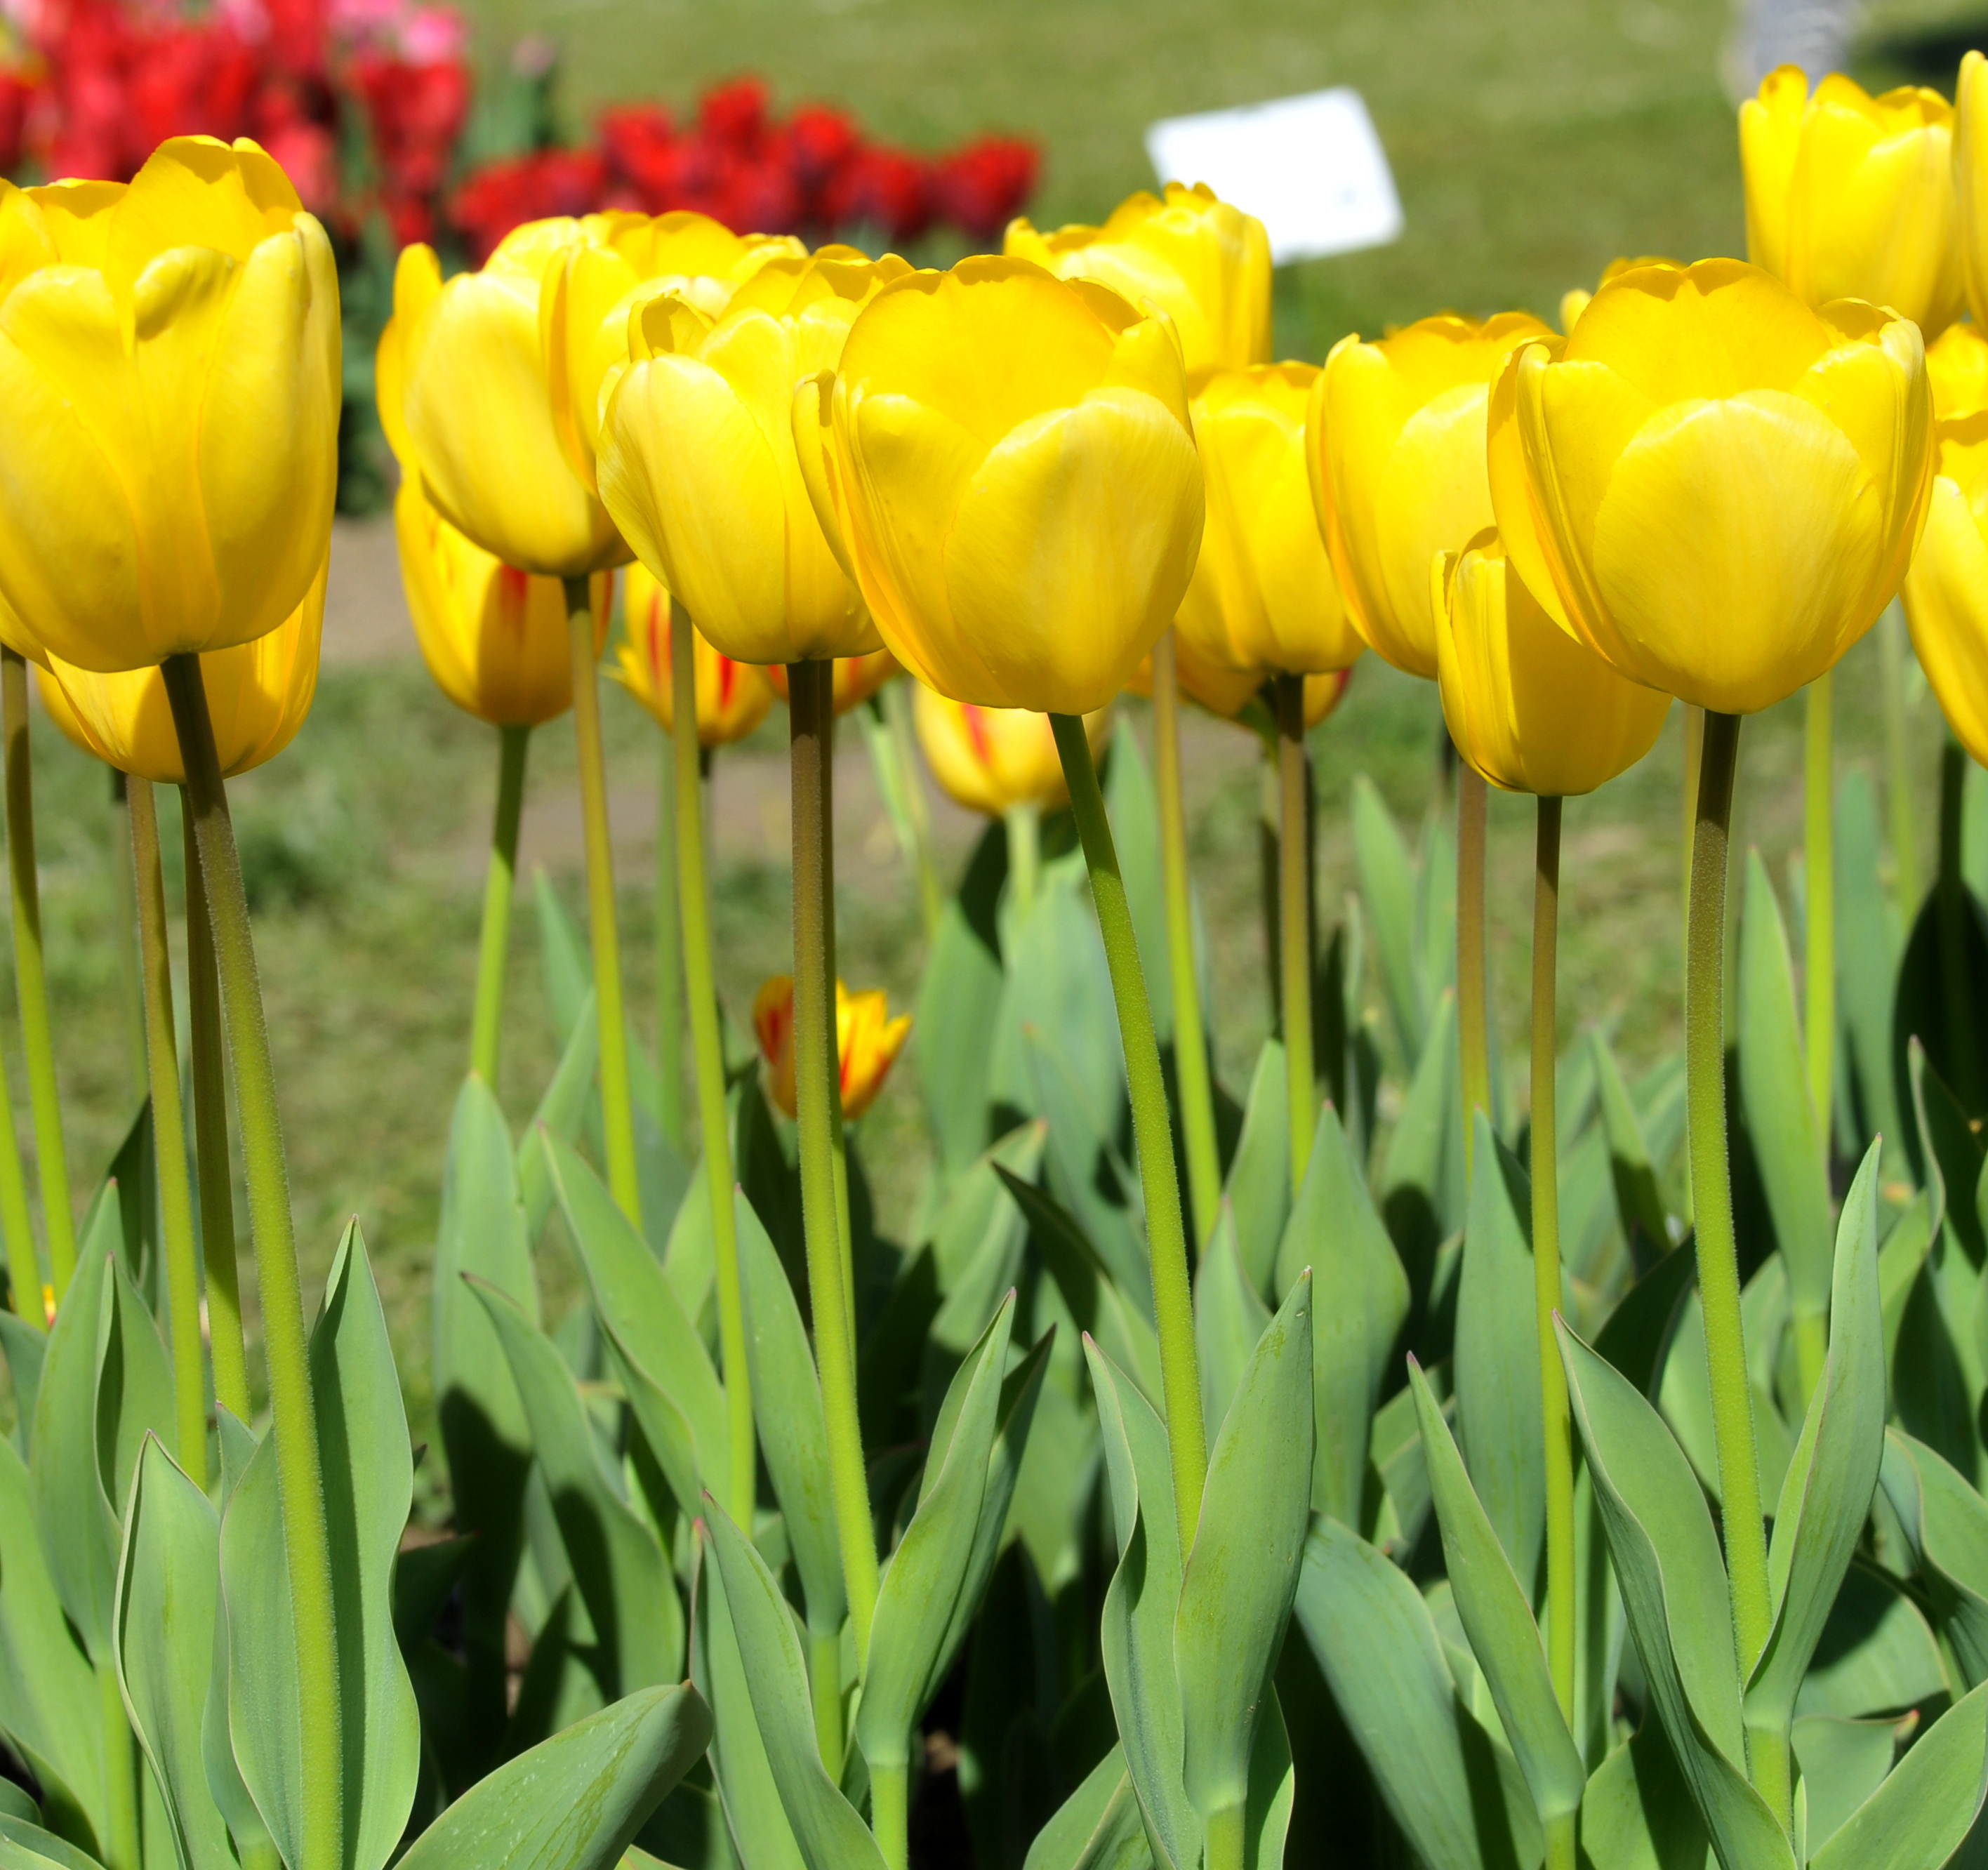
(594, 283)
(1529, 708)
(989, 759)
(856, 679)
(733, 697)
(1394, 445)
(1712, 485)
(1957, 369)
(1970, 179)
(1205, 264)
(1946, 590)
(476, 407)
(169, 391)
(1850, 196)
(1575, 301)
(867, 1042)
(698, 462)
(1263, 596)
(258, 694)
(1006, 466)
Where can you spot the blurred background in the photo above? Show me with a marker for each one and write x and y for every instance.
(1530, 144)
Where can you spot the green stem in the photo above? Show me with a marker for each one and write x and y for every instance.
(169, 1155)
(1224, 1838)
(30, 978)
(889, 1813)
(1893, 648)
(121, 1850)
(210, 1125)
(1819, 858)
(669, 954)
(1563, 1851)
(17, 1229)
(1294, 924)
(499, 884)
(814, 1077)
(1024, 822)
(1956, 982)
(1694, 757)
(895, 701)
(825, 1686)
(1556, 1423)
(1270, 809)
(1712, 1199)
(126, 910)
(845, 1234)
(708, 1051)
(1473, 1043)
(1191, 1074)
(1166, 1240)
(617, 1113)
(293, 1418)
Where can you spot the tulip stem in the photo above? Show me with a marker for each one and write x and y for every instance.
(499, 883)
(825, 1689)
(617, 1114)
(210, 1123)
(1893, 650)
(1024, 821)
(816, 1078)
(889, 1813)
(824, 807)
(896, 702)
(17, 1228)
(1152, 1132)
(708, 1052)
(121, 1849)
(125, 910)
(1191, 1072)
(1694, 757)
(169, 1154)
(1472, 1035)
(1956, 982)
(1294, 924)
(1712, 1197)
(30, 977)
(669, 952)
(1819, 858)
(293, 1418)
(1270, 807)
(1555, 1422)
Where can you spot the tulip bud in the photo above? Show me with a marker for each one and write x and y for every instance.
(1394, 443)
(169, 390)
(1527, 706)
(697, 462)
(1712, 486)
(867, 1042)
(1205, 264)
(732, 697)
(990, 759)
(1852, 197)
(258, 695)
(856, 679)
(1946, 590)
(1957, 369)
(1008, 472)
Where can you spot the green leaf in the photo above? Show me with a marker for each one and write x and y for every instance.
(25, 1846)
(1497, 1362)
(1899, 1259)
(958, 1004)
(1920, 1011)
(424, 1578)
(1334, 1230)
(15, 1803)
(168, 1597)
(1436, 915)
(1133, 807)
(23, 1346)
(1637, 1203)
(1497, 1617)
(1097, 1827)
(1946, 1522)
(623, 1574)
(569, 970)
(1842, 1762)
(574, 1802)
(1260, 1176)
(825, 1824)
(1673, 1584)
(1085, 1169)
(977, 1252)
(1640, 1327)
(368, 1473)
(1228, 1319)
(1877, 1652)
(1388, 889)
(1638, 1813)
(1927, 1807)
(1774, 1091)
(561, 1111)
(224, 1776)
(1058, 982)
(1866, 963)
(1237, 1585)
(1421, 1176)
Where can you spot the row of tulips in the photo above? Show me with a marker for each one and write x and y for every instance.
(1031, 482)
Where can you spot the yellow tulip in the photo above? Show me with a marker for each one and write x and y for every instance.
(1224, 692)
(1575, 301)
(1205, 264)
(476, 407)
(1529, 708)
(593, 283)
(169, 392)
(1262, 596)
(1970, 179)
(1006, 466)
(1394, 445)
(1712, 485)
(989, 759)
(856, 679)
(258, 694)
(1946, 590)
(1957, 369)
(867, 1042)
(733, 697)
(1850, 196)
(698, 462)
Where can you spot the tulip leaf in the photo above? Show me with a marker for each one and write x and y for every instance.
(1877, 1651)
(1638, 1205)
(1634, 1336)
(23, 1346)
(1497, 1617)
(574, 1801)
(826, 1827)
(1842, 1762)
(134, 1396)
(1228, 1319)
(15, 1803)
(1334, 1229)
(561, 1110)
(1421, 1174)
(25, 1846)
(1133, 807)
(238, 1446)
(1921, 1015)
(1085, 1169)
(1673, 1585)
(1867, 963)
(1928, 1804)
(1237, 1585)
(1946, 1523)
(569, 971)
(1388, 889)
(624, 1577)
(1258, 1188)
(959, 1008)
(1638, 1813)
(168, 1597)
(1097, 1827)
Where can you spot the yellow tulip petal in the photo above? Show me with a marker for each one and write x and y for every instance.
(1946, 603)
(196, 188)
(1769, 141)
